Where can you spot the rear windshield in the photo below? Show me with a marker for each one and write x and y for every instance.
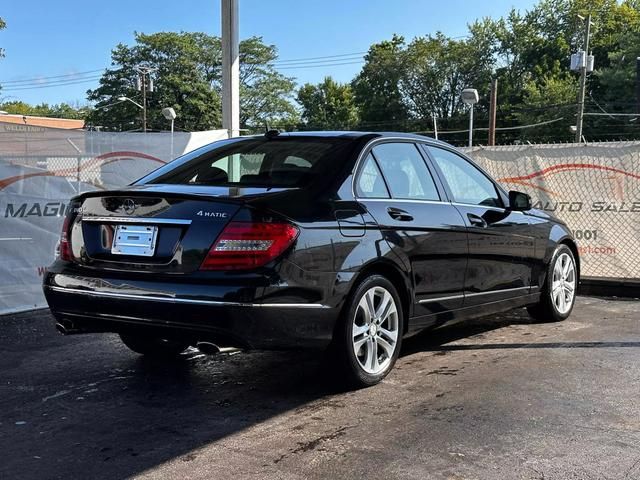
(257, 162)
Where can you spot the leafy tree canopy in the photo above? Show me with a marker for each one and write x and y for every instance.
(62, 110)
(328, 105)
(188, 78)
(377, 87)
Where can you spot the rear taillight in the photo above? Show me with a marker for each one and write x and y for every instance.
(64, 247)
(246, 245)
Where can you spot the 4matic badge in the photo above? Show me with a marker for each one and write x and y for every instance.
(202, 213)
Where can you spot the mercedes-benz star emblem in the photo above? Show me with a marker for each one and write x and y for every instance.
(129, 206)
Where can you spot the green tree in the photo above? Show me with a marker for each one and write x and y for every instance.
(188, 78)
(532, 51)
(62, 110)
(559, 90)
(328, 105)
(438, 68)
(377, 87)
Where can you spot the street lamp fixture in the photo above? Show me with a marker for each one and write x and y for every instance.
(470, 97)
(170, 114)
(127, 99)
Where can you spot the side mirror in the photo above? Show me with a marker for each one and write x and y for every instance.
(518, 201)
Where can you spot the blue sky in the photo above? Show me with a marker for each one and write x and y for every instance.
(47, 38)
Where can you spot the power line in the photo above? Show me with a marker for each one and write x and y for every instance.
(40, 79)
(295, 60)
(49, 85)
(359, 59)
(287, 63)
(504, 129)
(323, 65)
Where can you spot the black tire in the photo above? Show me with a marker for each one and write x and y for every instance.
(153, 346)
(546, 310)
(342, 349)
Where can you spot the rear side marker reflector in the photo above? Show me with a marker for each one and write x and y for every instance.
(247, 245)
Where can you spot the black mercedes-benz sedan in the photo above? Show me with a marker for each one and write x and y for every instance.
(340, 240)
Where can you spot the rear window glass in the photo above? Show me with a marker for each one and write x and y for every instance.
(279, 162)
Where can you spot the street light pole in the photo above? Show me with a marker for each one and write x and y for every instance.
(435, 125)
(170, 114)
(470, 97)
(172, 120)
(583, 80)
(471, 126)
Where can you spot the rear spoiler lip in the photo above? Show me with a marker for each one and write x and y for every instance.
(200, 195)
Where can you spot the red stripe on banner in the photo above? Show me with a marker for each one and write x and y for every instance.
(568, 167)
(529, 184)
(5, 182)
(99, 160)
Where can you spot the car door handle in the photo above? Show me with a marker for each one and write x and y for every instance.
(399, 215)
(477, 220)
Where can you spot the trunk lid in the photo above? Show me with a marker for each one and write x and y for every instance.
(154, 228)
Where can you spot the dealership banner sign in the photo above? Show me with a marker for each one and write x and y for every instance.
(41, 169)
(594, 188)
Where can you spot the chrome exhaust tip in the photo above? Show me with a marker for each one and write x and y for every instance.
(208, 348)
(62, 329)
(66, 327)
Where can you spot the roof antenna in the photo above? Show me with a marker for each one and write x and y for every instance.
(270, 132)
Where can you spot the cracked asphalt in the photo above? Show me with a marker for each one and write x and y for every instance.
(498, 398)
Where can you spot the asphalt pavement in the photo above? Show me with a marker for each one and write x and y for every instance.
(498, 398)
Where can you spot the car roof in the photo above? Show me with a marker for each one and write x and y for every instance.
(360, 134)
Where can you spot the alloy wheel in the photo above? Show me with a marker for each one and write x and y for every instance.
(375, 330)
(563, 285)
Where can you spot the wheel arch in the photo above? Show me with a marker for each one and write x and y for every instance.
(399, 279)
(569, 242)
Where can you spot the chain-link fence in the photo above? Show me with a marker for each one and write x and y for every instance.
(594, 188)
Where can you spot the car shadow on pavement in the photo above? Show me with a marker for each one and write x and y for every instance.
(563, 345)
(86, 407)
(437, 339)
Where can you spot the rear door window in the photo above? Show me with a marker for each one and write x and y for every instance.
(405, 171)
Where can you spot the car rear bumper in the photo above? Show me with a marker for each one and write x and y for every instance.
(224, 315)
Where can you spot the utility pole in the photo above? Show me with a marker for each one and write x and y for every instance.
(145, 82)
(492, 112)
(583, 79)
(230, 68)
